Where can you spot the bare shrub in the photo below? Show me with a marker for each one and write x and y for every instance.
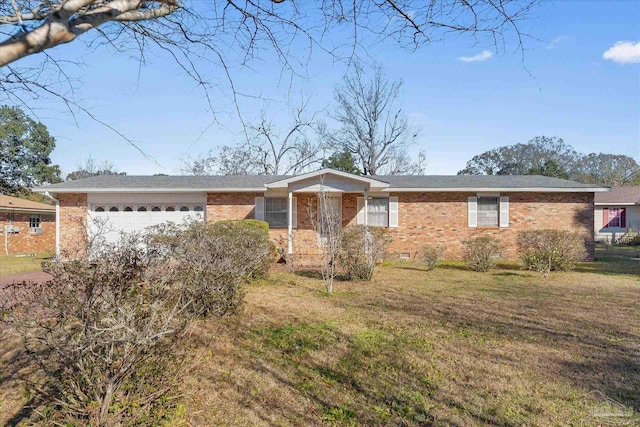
(550, 250)
(326, 220)
(429, 255)
(104, 331)
(362, 247)
(481, 253)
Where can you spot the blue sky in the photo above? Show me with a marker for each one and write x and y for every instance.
(564, 88)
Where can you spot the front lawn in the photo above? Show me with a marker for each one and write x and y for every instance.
(446, 347)
(11, 264)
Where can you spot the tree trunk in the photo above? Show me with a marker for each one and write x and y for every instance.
(106, 403)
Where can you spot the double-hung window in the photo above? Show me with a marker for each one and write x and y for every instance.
(614, 218)
(276, 212)
(34, 222)
(488, 211)
(378, 212)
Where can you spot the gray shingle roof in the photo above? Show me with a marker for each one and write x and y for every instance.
(625, 195)
(480, 181)
(257, 182)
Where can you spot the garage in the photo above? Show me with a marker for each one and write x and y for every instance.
(111, 214)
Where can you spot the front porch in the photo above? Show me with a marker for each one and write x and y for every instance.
(290, 206)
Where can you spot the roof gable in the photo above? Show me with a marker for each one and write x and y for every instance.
(327, 173)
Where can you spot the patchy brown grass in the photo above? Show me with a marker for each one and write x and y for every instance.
(11, 264)
(414, 347)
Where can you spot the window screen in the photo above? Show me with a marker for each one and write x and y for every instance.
(488, 211)
(275, 212)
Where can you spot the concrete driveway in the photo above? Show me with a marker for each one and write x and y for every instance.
(32, 276)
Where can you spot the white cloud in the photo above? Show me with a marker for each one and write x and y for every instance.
(623, 52)
(558, 41)
(482, 56)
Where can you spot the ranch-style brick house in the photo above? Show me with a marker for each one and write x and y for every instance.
(441, 210)
(26, 227)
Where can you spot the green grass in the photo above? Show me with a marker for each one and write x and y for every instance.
(11, 264)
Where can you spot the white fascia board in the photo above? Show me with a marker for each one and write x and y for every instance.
(152, 190)
(285, 182)
(503, 190)
(8, 209)
(617, 204)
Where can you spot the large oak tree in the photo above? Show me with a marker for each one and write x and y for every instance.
(25, 147)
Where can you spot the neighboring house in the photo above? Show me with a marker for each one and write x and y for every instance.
(617, 214)
(438, 210)
(26, 227)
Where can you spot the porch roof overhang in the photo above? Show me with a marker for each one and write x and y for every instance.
(328, 180)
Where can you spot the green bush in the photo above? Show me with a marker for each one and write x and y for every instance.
(216, 259)
(361, 250)
(264, 225)
(429, 255)
(249, 228)
(550, 250)
(481, 253)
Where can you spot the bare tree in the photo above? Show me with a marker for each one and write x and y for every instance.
(227, 34)
(90, 167)
(225, 160)
(326, 220)
(372, 127)
(268, 150)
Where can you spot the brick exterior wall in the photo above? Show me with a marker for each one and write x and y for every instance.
(441, 219)
(73, 224)
(26, 242)
(434, 218)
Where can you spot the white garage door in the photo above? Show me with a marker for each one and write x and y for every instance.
(110, 214)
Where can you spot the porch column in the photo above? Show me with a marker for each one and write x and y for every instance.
(290, 223)
(366, 208)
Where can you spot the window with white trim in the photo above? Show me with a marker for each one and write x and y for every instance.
(378, 212)
(488, 211)
(276, 212)
(614, 218)
(34, 221)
